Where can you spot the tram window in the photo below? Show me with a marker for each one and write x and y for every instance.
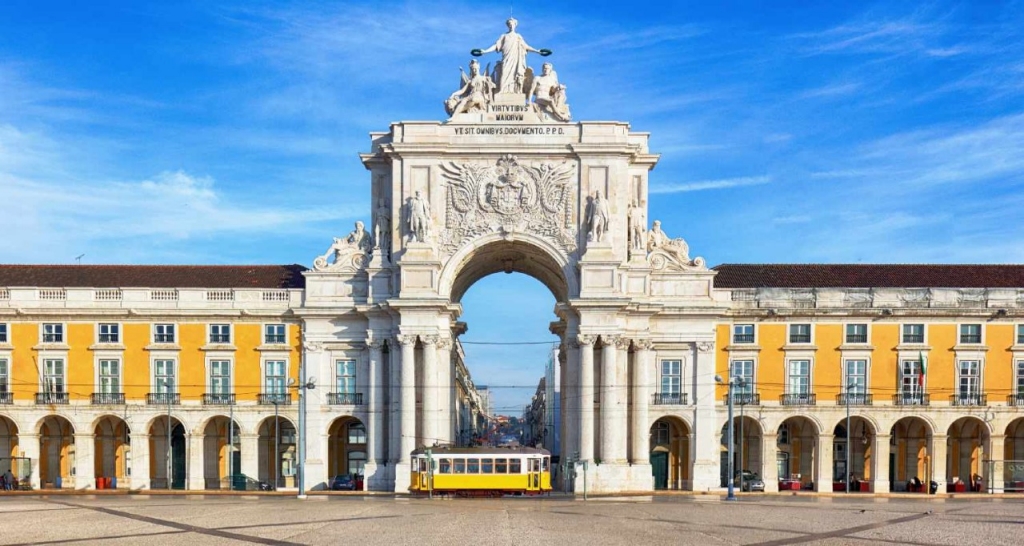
(460, 466)
(472, 466)
(515, 466)
(446, 466)
(487, 466)
(547, 464)
(501, 466)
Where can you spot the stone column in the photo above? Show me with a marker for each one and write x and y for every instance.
(586, 447)
(444, 390)
(880, 464)
(374, 406)
(937, 454)
(609, 400)
(823, 462)
(28, 444)
(429, 398)
(394, 402)
(140, 462)
(407, 386)
(996, 452)
(641, 402)
(85, 461)
(195, 471)
(250, 446)
(769, 462)
(571, 400)
(705, 454)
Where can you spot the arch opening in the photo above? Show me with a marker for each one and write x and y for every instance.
(492, 254)
(748, 450)
(277, 452)
(910, 455)
(166, 453)
(222, 453)
(853, 453)
(56, 452)
(346, 450)
(670, 453)
(112, 450)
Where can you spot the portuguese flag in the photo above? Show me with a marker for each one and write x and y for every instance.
(924, 368)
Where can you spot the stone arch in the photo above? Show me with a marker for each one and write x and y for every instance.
(56, 451)
(222, 451)
(518, 252)
(859, 452)
(968, 440)
(346, 448)
(1013, 449)
(748, 449)
(277, 434)
(910, 440)
(205, 424)
(167, 461)
(111, 449)
(8, 438)
(669, 448)
(176, 419)
(799, 450)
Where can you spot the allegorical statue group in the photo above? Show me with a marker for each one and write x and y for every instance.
(511, 77)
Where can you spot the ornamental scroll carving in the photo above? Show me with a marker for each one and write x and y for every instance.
(508, 197)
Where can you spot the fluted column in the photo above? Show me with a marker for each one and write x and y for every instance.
(375, 424)
(586, 377)
(429, 389)
(444, 390)
(641, 401)
(407, 428)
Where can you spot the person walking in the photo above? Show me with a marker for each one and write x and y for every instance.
(8, 480)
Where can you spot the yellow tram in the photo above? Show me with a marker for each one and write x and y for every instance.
(481, 471)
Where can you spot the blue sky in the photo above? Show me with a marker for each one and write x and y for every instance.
(227, 132)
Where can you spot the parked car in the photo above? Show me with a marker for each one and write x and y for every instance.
(749, 481)
(343, 482)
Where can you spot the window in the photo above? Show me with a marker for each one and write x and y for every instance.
(913, 333)
(743, 333)
(487, 466)
(357, 433)
(5, 376)
(163, 333)
(911, 382)
(110, 376)
(53, 333)
(220, 377)
(515, 466)
(109, 333)
(662, 433)
(800, 377)
(220, 333)
(501, 466)
(274, 382)
(445, 467)
(472, 466)
(856, 381)
(856, 333)
(3, 333)
(460, 466)
(1020, 334)
(799, 333)
(274, 334)
(671, 378)
(968, 380)
(970, 333)
(53, 371)
(356, 462)
(1020, 378)
(345, 376)
(784, 434)
(163, 376)
(743, 371)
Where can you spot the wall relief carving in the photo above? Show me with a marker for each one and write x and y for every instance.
(508, 197)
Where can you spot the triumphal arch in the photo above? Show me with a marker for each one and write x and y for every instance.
(510, 182)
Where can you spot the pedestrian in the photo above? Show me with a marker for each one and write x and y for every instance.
(8, 480)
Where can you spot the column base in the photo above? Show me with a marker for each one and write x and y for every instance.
(402, 477)
(196, 484)
(880, 486)
(316, 475)
(706, 476)
(614, 478)
(375, 477)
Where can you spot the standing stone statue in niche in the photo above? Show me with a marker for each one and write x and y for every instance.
(637, 229)
(510, 73)
(548, 95)
(382, 229)
(476, 92)
(597, 219)
(418, 214)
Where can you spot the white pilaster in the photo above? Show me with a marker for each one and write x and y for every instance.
(641, 402)
(880, 464)
(250, 446)
(407, 428)
(586, 434)
(85, 461)
(609, 400)
(195, 470)
(28, 444)
(938, 453)
(375, 424)
(705, 447)
(140, 462)
(429, 390)
(823, 461)
(769, 465)
(444, 377)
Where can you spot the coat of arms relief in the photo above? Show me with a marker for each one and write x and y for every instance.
(508, 197)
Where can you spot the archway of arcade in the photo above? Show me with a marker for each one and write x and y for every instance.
(910, 464)
(112, 450)
(967, 448)
(10, 450)
(748, 449)
(277, 435)
(853, 453)
(56, 452)
(222, 453)
(346, 449)
(670, 453)
(798, 453)
(166, 453)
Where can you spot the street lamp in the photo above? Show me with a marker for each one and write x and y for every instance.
(309, 383)
(731, 496)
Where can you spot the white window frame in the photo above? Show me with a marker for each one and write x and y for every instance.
(230, 375)
(45, 376)
(5, 384)
(43, 334)
(960, 334)
(753, 334)
(916, 387)
(209, 333)
(846, 333)
(154, 332)
(266, 333)
(979, 378)
(116, 333)
(5, 338)
(338, 376)
(846, 375)
(789, 377)
(903, 334)
(678, 376)
(810, 333)
(156, 384)
(749, 387)
(267, 362)
(100, 375)
(1018, 376)
(1018, 332)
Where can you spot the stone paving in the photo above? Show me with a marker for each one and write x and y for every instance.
(707, 520)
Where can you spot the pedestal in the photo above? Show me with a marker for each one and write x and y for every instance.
(402, 477)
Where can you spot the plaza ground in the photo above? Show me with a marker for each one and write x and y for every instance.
(369, 520)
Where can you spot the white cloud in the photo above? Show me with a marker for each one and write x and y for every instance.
(711, 184)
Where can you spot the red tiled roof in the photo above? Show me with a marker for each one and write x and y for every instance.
(868, 276)
(154, 276)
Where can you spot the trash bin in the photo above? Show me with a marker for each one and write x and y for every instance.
(933, 487)
(58, 482)
(99, 483)
(113, 482)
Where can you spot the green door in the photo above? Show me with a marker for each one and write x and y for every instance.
(659, 467)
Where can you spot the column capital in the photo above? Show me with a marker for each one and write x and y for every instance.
(430, 339)
(445, 343)
(406, 339)
(643, 344)
(586, 339)
(622, 343)
(610, 339)
(705, 346)
(375, 344)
